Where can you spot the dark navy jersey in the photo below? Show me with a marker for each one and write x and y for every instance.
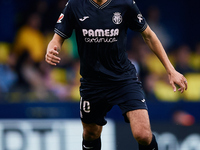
(101, 36)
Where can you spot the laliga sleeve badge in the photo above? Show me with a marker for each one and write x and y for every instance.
(60, 18)
(139, 16)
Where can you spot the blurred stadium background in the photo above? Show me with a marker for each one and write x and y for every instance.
(39, 106)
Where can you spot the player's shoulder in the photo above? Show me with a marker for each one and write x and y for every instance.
(121, 4)
(126, 3)
(129, 2)
(131, 5)
(74, 2)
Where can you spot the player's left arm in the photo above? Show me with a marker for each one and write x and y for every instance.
(155, 45)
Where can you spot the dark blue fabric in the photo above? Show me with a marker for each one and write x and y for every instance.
(101, 36)
(97, 99)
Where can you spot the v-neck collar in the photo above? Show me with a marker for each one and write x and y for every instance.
(102, 6)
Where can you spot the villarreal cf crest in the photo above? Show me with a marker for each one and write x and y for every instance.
(117, 18)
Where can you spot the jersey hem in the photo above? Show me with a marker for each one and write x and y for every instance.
(107, 81)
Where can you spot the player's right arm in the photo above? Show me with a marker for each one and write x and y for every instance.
(53, 50)
(63, 30)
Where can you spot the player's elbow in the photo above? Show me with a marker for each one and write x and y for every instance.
(148, 34)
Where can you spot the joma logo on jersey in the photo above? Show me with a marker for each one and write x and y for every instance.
(101, 32)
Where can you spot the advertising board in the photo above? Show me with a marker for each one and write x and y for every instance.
(49, 135)
(169, 136)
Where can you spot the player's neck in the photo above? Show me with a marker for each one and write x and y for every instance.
(100, 2)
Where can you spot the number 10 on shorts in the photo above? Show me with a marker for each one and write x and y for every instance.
(86, 106)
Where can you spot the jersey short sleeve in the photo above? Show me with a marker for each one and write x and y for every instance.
(136, 21)
(65, 23)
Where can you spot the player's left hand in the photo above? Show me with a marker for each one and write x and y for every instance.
(175, 78)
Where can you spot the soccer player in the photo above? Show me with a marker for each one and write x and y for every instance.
(108, 77)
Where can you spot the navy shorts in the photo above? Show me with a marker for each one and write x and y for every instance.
(98, 98)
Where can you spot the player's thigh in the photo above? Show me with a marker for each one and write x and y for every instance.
(91, 131)
(140, 125)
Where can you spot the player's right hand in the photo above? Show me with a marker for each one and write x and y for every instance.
(51, 56)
